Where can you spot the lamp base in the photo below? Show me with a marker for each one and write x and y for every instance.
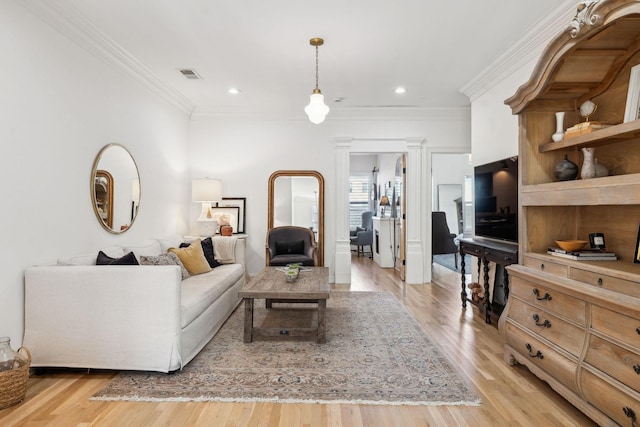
(207, 227)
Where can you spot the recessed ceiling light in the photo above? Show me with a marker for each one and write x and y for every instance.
(400, 90)
(234, 91)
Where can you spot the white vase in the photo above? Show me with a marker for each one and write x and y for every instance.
(559, 135)
(589, 165)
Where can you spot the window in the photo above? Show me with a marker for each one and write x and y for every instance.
(359, 198)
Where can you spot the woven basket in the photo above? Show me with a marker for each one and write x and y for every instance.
(13, 383)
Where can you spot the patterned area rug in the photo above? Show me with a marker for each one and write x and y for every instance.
(376, 353)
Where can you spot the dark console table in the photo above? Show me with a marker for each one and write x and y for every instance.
(487, 251)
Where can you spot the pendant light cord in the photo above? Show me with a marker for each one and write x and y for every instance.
(316, 66)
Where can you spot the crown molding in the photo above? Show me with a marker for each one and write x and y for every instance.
(68, 21)
(523, 51)
(462, 114)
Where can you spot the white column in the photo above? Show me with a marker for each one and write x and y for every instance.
(342, 263)
(418, 270)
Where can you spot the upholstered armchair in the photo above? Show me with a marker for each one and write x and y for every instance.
(442, 239)
(363, 236)
(291, 244)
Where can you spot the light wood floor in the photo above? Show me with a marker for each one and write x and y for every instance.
(511, 396)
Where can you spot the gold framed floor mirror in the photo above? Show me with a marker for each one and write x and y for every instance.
(296, 197)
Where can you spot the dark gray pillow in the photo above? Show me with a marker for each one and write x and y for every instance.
(289, 247)
(128, 259)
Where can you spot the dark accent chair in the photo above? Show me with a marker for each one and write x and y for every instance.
(363, 236)
(441, 237)
(290, 244)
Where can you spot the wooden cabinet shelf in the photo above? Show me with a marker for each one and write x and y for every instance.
(591, 353)
(609, 135)
(607, 190)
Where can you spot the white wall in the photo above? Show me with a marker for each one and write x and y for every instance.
(60, 106)
(244, 152)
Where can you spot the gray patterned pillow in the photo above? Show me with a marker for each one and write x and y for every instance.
(165, 259)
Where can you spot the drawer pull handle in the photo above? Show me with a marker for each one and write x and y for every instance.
(637, 369)
(508, 258)
(537, 354)
(630, 414)
(541, 266)
(638, 330)
(600, 281)
(545, 324)
(546, 296)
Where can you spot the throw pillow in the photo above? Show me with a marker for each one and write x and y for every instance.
(290, 247)
(165, 259)
(128, 259)
(207, 249)
(193, 258)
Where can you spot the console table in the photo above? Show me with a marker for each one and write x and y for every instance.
(486, 251)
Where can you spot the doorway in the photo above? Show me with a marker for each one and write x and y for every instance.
(377, 183)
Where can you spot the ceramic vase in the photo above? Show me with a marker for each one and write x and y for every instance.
(588, 165)
(601, 170)
(559, 134)
(566, 170)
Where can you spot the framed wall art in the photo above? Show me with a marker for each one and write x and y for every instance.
(241, 204)
(226, 216)
(632, 110)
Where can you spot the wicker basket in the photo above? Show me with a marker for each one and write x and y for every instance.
(13, 383)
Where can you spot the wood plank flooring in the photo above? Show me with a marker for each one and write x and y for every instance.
(511, 396)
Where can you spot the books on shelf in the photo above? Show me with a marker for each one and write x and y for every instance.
(584, 128)
(583, 255)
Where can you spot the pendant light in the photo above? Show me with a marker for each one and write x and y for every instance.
(316, 110)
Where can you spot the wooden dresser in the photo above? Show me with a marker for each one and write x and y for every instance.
(576, 324)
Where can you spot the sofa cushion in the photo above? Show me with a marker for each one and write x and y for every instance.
(90, 258)
(149, 247)
(165, 259)
(199, 292)
(128, 259)
(290, 247)
(193, 258)
(207, 249)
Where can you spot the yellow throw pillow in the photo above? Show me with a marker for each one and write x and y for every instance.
(193, 258)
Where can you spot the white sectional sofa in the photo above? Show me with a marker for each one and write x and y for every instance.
(142, 317)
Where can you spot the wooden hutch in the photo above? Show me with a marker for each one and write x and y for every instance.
(576, 324)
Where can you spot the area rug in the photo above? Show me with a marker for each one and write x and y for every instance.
(448, 260)
(376, 353)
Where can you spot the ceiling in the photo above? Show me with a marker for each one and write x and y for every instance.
(432, 48)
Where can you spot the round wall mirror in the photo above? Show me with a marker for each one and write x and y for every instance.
(115, 188)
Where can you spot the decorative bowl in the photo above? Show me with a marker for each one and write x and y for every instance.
(571, 245)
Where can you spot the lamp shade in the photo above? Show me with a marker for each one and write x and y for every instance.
(316, 110)
(206, 190)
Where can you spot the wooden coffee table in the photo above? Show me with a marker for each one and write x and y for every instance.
(312, 286)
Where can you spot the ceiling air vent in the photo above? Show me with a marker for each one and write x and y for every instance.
(190, 73)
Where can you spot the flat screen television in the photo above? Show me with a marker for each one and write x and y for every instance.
(496, 200)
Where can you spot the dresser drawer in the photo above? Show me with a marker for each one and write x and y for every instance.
(624, 328)
(613, 401)
(615, 284)
(555, 268)
(564, 334)
(619, 363)
(550, 300)
(532, 350)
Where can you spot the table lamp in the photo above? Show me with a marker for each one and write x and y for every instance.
(206, 191)
(384, 201)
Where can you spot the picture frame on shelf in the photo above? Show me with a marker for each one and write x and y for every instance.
(636, 255)
(227, 215)
(632, 109)
(596, 241)
(241, 203)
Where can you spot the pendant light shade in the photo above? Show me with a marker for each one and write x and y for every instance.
(317, 109)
